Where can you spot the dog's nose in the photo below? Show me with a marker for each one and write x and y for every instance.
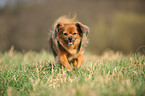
(70, 38)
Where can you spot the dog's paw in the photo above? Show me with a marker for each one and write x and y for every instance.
(69, 69)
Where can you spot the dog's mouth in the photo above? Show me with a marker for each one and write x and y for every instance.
(70, 43)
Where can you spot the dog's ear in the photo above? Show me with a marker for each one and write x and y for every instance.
(57, 28)
(82, 29)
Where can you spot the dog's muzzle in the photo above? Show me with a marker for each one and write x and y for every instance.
(70, 41)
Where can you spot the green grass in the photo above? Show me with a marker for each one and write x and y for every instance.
(37, 74)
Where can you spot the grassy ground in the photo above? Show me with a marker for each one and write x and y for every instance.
(36, 74)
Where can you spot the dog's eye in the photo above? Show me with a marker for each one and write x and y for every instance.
(74, 33)
(64, 33)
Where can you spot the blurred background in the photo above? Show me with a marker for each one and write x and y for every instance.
(117, 25)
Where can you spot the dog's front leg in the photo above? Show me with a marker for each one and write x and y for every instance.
(75, 63)
(80, 61)
(63, 60)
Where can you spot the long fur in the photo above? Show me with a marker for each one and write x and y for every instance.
(65, 19)
(57, 45)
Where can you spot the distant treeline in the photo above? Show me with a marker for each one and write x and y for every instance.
(117, 24)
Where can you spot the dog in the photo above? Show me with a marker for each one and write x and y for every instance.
(67, 40)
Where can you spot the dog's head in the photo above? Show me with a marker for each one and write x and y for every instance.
(70, 33)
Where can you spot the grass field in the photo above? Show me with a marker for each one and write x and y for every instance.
(36, 74)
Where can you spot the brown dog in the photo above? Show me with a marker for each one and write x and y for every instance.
(67, 41)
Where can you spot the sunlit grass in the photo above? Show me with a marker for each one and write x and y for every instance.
(37, 74)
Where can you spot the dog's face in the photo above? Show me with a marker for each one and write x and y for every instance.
(71, 33)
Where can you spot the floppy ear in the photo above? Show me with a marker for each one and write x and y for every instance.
(82, 29)
(57, 29)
